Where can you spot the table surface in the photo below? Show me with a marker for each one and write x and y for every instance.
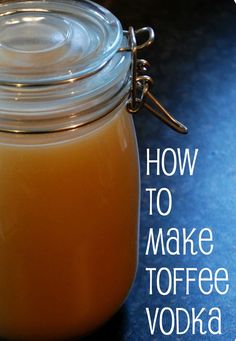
(194, 65)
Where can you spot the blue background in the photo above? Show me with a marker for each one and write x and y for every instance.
(194, 65)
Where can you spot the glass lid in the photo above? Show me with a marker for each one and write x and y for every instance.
(47, 42)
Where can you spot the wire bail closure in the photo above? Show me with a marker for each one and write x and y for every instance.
(140, 94)
(140, 83)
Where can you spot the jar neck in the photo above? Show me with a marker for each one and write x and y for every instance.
(58, 107)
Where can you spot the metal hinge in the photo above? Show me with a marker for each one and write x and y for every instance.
(140, 93)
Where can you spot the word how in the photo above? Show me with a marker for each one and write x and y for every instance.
(168, 161)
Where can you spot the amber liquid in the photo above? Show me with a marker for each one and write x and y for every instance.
(68, 230)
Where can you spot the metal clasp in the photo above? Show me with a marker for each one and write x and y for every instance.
(140, 83)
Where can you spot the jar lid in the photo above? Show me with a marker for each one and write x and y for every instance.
(61, 64)
(46, 42)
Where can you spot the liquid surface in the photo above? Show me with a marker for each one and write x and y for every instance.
(68, 231)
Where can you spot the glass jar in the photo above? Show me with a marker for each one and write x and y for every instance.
(69, 174)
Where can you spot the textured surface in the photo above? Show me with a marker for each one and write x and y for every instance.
(194, 64)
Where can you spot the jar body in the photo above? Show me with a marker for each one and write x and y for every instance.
(69, 227)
